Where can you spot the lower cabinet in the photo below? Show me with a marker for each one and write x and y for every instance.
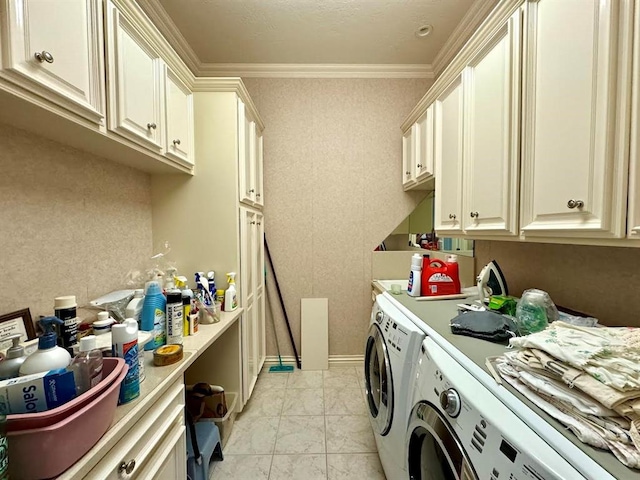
(154, 447)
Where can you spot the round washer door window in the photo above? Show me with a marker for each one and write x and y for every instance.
(434, 451)
(378, 381)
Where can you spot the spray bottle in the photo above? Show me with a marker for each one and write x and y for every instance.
(48, 356)
(230, 296)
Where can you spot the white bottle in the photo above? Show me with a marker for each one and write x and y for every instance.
(134, 308)
(414, 286)
(230, 296)
(87, 365)
(48, 356)
(124, 338)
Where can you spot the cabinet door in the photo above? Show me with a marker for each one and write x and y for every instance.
(179, 118)
(491, 84)
(170, 460)
(575, 95)
(424, 145)
(248, 234)
(56, 50)
(246, 154)
(260, 292)
(259, 168)
(408, 157)
(135, 96)
(633, 222)
(448, 157)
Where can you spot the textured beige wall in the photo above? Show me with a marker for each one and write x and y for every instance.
(70, 223)
(600, 281)
(332, 175)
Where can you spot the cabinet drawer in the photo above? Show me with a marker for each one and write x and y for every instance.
(145, 440)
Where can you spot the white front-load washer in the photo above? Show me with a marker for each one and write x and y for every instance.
(459, 430)
(392, 348)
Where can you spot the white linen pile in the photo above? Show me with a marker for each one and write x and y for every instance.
(588, 378)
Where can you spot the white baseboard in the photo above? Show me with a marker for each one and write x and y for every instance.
(334, 360)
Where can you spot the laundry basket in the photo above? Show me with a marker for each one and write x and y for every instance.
(73, 428)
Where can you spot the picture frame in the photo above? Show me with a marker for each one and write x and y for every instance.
(19, 321)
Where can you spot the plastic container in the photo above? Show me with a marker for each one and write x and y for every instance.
(225, 424)
(230, 295)
(134, 307)
(65, 310)
(48, 356)
(87, 365)
(59, 445)
(414, 285)
(124, 337)
(175, 312)
(534, 312)
(154, 316)
(103, 324)
(13, 360)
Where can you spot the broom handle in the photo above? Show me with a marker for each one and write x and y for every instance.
(284, 310)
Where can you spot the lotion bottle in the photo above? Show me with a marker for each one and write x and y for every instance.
(48, 356)
(414, 287)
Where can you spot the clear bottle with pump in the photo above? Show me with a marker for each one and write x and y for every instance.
(13, 360)
(231, 296)
(48, 356)
(87, 365)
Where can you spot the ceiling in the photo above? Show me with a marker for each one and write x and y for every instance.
(317, 31)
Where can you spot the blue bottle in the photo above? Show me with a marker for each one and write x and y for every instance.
(153, 318)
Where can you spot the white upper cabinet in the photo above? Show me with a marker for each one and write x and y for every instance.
(250, 158)
(55, 49)
(179, 118)
(576, 68)
(409, 141)
(135, 87)
(633, 219)
(491, 82)
(424, 145)
(448, 129)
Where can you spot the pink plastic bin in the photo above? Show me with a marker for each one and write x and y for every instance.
(46, 452)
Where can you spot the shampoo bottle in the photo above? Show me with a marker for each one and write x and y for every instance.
(48, 356)
(230, 296)
(125, 345)
(414, 287)
(87, 365)
(154, 315)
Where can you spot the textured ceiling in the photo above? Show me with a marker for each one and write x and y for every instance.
(315, 31)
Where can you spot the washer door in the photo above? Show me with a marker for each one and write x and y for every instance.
(378, 381)
(434, 451)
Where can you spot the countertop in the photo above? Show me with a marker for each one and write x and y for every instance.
(437, 314)
(157, 380)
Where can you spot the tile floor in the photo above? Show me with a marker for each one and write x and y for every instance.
(305, 425)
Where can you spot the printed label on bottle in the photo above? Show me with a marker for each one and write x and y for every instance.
(174, 323)
(130, 387)
(440, 277)
(410, 286)
(159, 330)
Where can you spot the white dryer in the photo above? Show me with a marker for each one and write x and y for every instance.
(392, 348)
(459, 430)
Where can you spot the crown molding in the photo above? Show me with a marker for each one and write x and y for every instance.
(163, 22)
(478, 12)
(300, 70)
(228, 84)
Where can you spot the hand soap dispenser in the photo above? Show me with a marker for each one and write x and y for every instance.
(15, 357)
(48, 356)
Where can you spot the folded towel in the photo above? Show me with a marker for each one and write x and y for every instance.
(485, 325)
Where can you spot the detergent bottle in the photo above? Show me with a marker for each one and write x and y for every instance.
(454, 271)
(414, 287)
(438, 278)
(230, 296)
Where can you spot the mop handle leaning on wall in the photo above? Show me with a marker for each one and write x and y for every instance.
(284, 310)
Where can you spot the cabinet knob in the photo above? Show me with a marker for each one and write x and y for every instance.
(176, 142)
(253, 222)
(152, 126)
(258, 195)
(452, 216)
(127, 467)
(259, 223)
(419, 165)
(575, 203)
(474, 214)
(252, 191)
(407, 173)
(43, 56)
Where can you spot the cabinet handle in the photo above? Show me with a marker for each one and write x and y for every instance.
(474, 214)
(151, 126)
(176, 142)
(575, 203)
(452, 216)
(43, 56)
(127, 467)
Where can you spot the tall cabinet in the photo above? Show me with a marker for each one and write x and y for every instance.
(211, 220)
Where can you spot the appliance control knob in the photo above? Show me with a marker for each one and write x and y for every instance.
(379, 317)
(450, 402)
